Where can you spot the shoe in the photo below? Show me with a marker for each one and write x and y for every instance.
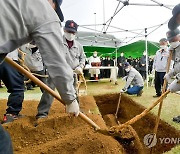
(39, 119)
(9, 118)
(176, 119)
(140, 93)
(155, 96)
(116, 83)
(40, 116)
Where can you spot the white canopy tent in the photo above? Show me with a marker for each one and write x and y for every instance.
(128, 20)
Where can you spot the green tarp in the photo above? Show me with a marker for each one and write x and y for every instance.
(134, 50)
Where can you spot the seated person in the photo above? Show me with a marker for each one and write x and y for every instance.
(134, 81)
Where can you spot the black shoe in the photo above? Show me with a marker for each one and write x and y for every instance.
(176, 119)
(140, 93)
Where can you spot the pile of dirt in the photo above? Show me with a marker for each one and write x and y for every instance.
(59, 133)
(128, 109)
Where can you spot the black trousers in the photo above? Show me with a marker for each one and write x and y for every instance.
(14, 82)
(159, 80)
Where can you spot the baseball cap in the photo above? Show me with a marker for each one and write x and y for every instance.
(172, 33)
(71, 26)
(163, 40)
(172, 24)
(126, 64)
(58, 9)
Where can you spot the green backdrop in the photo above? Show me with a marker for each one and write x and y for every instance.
(134, 50)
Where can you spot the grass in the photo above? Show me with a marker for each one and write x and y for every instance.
(171, 105)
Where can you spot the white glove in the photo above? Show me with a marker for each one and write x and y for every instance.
(174, 86)
(29, 46)
(78, 70)
(167, 77)
(123, 90)
(73, 108)
(124, 78)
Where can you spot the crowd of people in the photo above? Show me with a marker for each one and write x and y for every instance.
(61, 57)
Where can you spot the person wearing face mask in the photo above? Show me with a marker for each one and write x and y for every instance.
(75, 57)
(134, 81)
(160, 65)
(174, 40)
(94, 61)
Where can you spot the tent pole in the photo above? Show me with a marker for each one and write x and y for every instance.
(147, 78)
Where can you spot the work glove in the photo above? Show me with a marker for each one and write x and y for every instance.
(167, 77)
(174, 86)
(73, 108)
(123, 90)
(124, 78)
(78, 70)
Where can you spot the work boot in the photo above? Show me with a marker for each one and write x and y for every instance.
(140, 93)
(176, 119)
(9, 118)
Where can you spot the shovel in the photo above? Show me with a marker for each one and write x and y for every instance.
(49, 90)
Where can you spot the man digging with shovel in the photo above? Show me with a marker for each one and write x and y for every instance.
(173, 37)
(25, 20)
(76, 59)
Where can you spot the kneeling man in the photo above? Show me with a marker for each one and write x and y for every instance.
(134, 81)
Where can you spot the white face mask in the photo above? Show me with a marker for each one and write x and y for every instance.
(174, 44)
(144, 54)
(127, 69)
(163, 47)
(69, 36)
(122, 54)
(95, 55)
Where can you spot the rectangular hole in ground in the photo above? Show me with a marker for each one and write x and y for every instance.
(128, 109)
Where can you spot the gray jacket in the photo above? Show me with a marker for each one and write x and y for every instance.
(160, 60)
(176, 58)
(32, 60)
(20, 17)
(134, 78)
(22, 21)
(75, 55)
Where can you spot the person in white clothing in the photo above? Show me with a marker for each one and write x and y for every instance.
(94, 61)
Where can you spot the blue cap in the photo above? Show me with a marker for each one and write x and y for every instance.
(71, 26)
(172, 24)
(58, 9)
(126, 64)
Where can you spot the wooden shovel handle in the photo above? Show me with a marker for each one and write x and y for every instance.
(49, 90)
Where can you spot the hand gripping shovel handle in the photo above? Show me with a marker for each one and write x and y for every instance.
(49, 90)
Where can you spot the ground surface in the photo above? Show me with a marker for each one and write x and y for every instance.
(48, 129)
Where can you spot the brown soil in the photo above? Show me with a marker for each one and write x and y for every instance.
(128, 109)
(59, 133)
